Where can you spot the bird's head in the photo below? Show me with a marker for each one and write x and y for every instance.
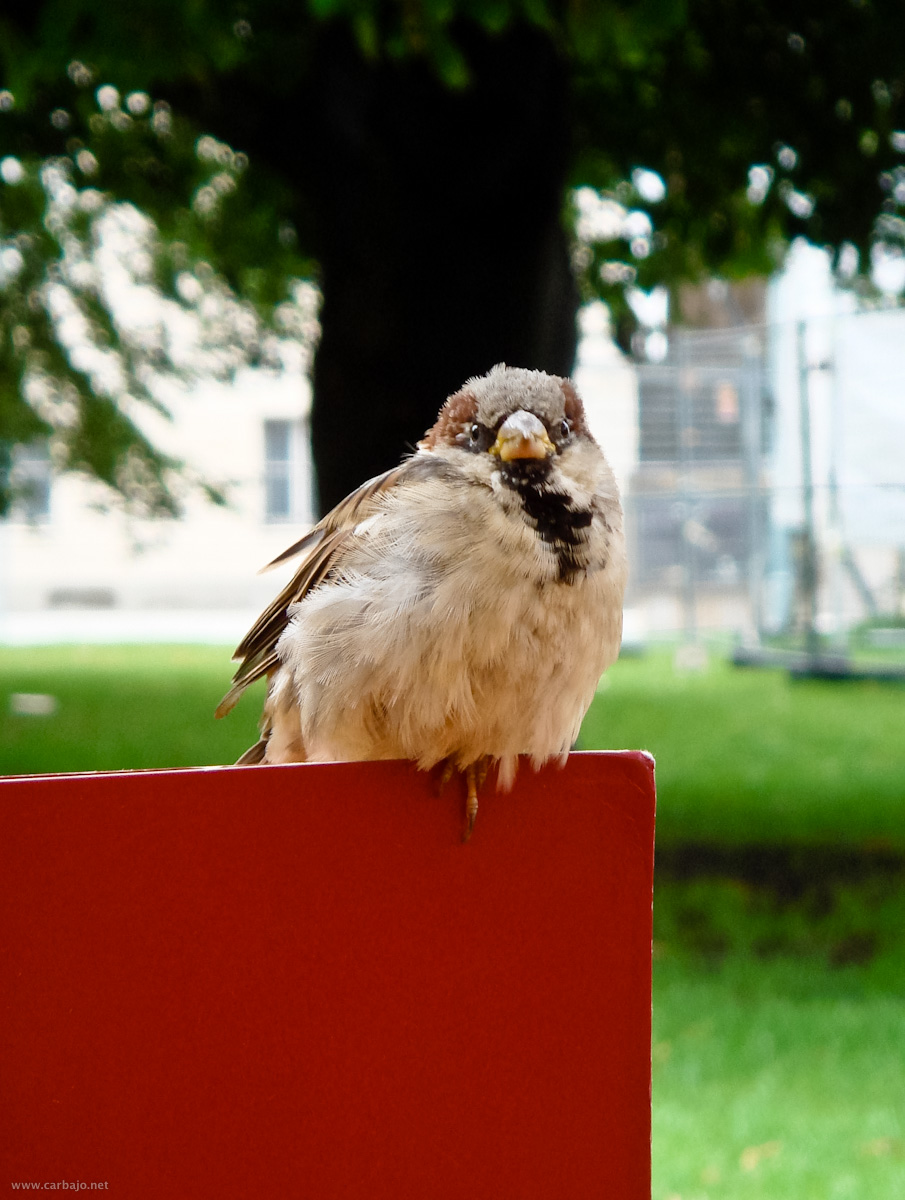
(518, 420)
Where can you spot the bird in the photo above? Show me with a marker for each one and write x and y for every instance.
(457, 610)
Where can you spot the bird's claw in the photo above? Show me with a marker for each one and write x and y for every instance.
(447, 770)
(471, 814)
(475, 774)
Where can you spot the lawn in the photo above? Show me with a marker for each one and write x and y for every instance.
(779, 970)
(779, 1041)
(752, 755)
(762, 1092)
(122, 707)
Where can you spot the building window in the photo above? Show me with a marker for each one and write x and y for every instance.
(285, 471)
(31, 479)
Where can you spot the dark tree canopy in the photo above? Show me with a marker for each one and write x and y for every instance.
(417, 160)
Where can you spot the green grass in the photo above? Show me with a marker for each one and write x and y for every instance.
(779, 987)
(779, 1041)
(775, 1079)
(752, 755)
(122, 707)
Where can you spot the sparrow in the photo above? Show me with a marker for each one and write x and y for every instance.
(458, 609)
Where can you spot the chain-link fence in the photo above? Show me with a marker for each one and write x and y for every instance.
(768, 500)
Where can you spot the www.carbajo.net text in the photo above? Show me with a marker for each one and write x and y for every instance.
(61, 1185)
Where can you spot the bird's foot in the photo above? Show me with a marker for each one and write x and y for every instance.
(447, 770)
(475, 774)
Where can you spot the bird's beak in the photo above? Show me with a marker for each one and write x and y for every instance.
(522, 436)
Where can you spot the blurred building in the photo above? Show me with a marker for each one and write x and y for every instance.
(769, 496)
(71, 566)
(697, 508)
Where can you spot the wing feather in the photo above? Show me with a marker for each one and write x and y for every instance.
(322, 550)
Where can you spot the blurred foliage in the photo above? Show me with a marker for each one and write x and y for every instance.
(705, 134)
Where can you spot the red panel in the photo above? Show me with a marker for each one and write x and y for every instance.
(298, 982)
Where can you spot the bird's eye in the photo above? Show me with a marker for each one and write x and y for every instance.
(478, 438)
(565, 427)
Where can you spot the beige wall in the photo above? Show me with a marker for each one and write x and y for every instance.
(210, 558)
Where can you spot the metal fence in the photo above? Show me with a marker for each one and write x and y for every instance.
(768, 500)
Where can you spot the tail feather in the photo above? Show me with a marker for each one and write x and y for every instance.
(229, 701)
(253, 755)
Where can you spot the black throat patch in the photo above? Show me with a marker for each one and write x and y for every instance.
(558, 524)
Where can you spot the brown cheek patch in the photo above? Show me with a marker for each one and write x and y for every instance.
(456, 415)
(574, 408)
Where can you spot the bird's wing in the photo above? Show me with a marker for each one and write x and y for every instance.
(322, 550)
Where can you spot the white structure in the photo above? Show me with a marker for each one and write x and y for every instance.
(608, 384)
(851, 362)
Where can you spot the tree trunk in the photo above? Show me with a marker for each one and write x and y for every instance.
(441, 243)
